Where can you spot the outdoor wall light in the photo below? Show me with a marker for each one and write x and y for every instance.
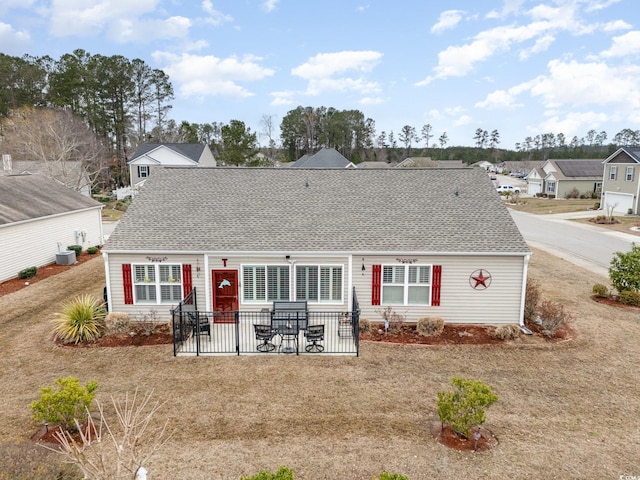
(288, 257)
(363, 267)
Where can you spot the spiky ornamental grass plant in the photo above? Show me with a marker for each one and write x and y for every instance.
(81, 320)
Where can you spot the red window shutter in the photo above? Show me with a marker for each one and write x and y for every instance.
(187, 284)
(376, 284)
(435, 287)
(127, 283)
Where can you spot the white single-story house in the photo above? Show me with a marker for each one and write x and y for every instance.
(39, 218)
(148, 156)
(425, 242)
(621, 181)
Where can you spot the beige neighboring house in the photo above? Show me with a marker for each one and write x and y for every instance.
(71, 174)
(39, 218)
(558, 178)
(621, 181)
(427, 162)
(151, 155)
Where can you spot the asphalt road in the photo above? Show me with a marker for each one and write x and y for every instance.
(588, 246)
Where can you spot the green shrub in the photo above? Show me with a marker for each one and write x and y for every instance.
(92, 250)
(26, 460)
(463, 408)
(75, 248)
(66, 404)
(630, 297)
(81, 320)
(507, 332)
(430, 326)
(283, 473)
(391, 476)
(600, 290)
(27, 273)
(624, 270)
(552, 315)
(531, 298)
(122, 205)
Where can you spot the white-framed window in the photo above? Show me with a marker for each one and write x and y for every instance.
(319, 283)
(551, 187)
(406, 284)
(157, 283)
(143, 171)
(613, 172)
(629, 174)
(598, 187)
(262, 283)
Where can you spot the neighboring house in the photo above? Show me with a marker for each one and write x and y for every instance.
(151, 155)
(325, 158)
(425, 242)
(621, 182)
(487, 166)
(70, 173)
(427, 162)
(559, 178)
(40, 218)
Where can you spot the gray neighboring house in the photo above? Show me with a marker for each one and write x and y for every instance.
(621, 181)
(557, 178)
(151, 155)
(325, 158)
(39, 218)
(68, 173)
(425, 242)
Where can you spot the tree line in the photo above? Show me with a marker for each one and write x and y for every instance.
(106, 106)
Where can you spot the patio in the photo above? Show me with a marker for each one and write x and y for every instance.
(264, 332)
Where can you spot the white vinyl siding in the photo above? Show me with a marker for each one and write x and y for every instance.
(152, 282)
(406, 285)
(270, 282)
(319, 283)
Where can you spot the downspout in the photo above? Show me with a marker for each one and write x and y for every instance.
(525, 272)
(107, 277)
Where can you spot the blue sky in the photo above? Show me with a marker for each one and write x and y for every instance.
(520, 67)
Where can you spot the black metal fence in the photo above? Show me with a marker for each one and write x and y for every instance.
(197, 332)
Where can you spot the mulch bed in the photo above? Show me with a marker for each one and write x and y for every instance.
(448, 438)
(160, 336)
(15, 284)
(613, 301)
(47, 435)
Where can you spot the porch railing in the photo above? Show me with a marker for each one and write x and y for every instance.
(198, 332)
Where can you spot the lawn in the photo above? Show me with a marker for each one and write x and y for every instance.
(565, 411)
(543, 206)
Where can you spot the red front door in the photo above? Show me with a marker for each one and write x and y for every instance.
(224, 286)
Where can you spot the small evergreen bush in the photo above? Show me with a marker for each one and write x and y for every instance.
(463, 408)
(283, 473)
(624, 270)
(507, 332)
(391, 476)
(75, 248)
(27, 273)
(630, 297)
(92, 250)
(81, 320)
(430, 326)
(600, 290)
(66, 404)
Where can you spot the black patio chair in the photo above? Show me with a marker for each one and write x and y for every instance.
(200, 323)
(314, 334)
(265, 335)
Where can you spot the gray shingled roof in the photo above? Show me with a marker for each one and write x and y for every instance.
(300, 210)
(580, 168)
(27, 197)
(325, 158)
(193, 151)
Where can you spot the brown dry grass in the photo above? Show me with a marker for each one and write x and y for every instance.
(564, 411)
(545, 206)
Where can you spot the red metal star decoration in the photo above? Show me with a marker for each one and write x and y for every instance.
(480, 279)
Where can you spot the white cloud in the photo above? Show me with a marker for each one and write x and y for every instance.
(615, 26)
(624, 46)
(283, 98)
(574, 123)
(362, 8)
(215, 17)
(463, 120)
(595, 5)
(542, 44)
(13, 41)
(209, 76)
(499, 99)
(270, 5)
(448, 19)
(6, 5)
(126, 31)
(327, 72)
(371, 101)
(76, 17)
